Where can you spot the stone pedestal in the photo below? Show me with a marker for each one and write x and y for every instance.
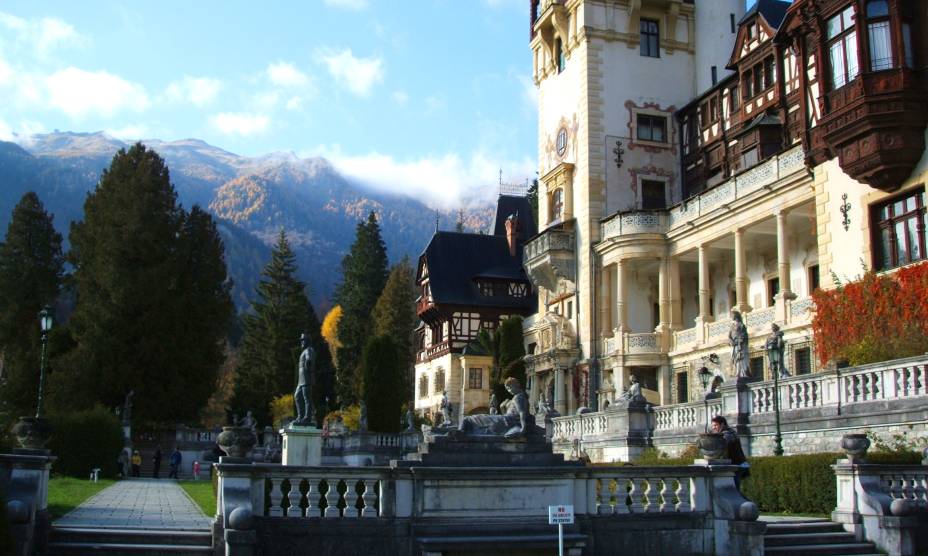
(302, 446)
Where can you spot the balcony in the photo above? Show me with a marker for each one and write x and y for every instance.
(634, 222)
(549, 258)
(631, 343)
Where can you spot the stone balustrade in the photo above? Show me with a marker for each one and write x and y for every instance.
(333, 492)
(686, 415)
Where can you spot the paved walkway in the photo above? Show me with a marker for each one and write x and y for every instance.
(138, 504)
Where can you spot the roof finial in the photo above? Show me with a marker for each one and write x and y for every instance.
(500, 176)
(437, 216)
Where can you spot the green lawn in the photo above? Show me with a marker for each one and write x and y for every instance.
(202, 493)
(65, 493)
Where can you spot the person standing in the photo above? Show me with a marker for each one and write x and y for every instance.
(136, 464)
(175, 463)
(157, 461)
(733, 447)
(196, 471)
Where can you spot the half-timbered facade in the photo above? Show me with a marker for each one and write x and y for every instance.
(467, 283)
(697, 159)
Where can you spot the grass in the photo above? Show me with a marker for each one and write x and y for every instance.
(202, 494)
(66, 493)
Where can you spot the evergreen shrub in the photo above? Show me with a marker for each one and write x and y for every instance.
(84, 440)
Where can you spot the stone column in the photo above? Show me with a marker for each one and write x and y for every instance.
(621, 323)
(663, 292)
(676, 301)
(705, 294)
(741, 275)
(786, 293)
(605, 302)
(560, 400)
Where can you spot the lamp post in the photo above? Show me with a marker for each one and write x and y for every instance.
(45, 322)
(775, 367)
(704, 376)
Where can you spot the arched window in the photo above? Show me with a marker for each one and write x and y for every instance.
(556, 205)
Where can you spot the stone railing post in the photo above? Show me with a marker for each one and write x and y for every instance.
(25, 474)
(736, 402)
(240, 497)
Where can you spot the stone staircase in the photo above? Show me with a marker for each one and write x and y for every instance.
(71, 541)
(814, 537)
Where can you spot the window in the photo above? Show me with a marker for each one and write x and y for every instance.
(715, 75)
(842, 48)
(557, 205)
(650, 38)
(486, 288)
(899, 227)
(423, 386)
(757, 74)
(749, 158)
(560, 55)
(475, 378)
(713, 110)
(746, 89)
(733, 98)
(652, 128)
(757, 367)
(439, 381)
(881, 46)
(652, 195)
(770, 72)
(803, 362)
(518, 289)
(773, 288)
(683, 395)
(731, 22)
(813, 278)
(907, 45)
(752, 31)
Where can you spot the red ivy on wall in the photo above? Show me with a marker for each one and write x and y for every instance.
(877, 318)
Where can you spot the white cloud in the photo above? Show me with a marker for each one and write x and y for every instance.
(294, 103)
(198, 91)
(358, 75)
(400, 97)
(39, 37)
(355, 5)
(129, 132)
(78, 92)
(444, 182)
(529, 93)
(434, 104)
(6, 132)
(284, 74)
(232, 123)
(265, 101)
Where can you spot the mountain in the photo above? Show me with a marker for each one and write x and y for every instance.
(252, 198)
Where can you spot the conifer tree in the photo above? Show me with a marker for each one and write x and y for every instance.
(382, 384)
(394, 315)
(364, 274)
(271, 344)
(31, 269)
(152, 297)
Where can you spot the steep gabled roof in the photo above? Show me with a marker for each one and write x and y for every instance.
(507, 205)
(772, 10)
(455, 261)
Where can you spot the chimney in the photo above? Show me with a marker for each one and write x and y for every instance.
(512, 233)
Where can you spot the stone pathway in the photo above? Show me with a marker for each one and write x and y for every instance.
(139, 504)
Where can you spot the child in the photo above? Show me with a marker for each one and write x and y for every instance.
(136, 463)
(196, 471)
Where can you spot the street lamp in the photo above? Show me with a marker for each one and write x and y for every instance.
(45, 322)
(775, 363)
(705, 375)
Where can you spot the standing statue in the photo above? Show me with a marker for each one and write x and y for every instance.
(362, 417)
(515, 422)
(127, 408)
(738, 338)
(776, 347)
(248, 421)
(302, 397)
(410, 420)
(494, 405)
(446, 409)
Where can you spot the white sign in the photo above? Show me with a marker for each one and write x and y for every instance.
(558, 515)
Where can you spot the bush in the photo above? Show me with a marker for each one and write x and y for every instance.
(654, 457)
(84, 440)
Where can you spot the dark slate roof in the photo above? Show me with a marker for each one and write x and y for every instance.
(508, 204)
(455, 260)
(773, 11)
(761, 121)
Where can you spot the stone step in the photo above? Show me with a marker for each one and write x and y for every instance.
(131, 536)
(834, 549)
(792, 539)
(810, 526)
(89, 548)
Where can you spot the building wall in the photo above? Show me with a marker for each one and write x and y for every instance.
(463, 399)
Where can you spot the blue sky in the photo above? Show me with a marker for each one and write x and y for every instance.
(430, 97)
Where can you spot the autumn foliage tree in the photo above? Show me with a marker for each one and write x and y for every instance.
(330, 331)
(876, 318)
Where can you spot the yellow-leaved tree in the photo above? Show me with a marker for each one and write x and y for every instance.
(330, 331)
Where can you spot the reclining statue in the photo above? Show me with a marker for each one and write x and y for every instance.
(515, 420)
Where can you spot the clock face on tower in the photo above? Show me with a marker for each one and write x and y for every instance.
(561, 145)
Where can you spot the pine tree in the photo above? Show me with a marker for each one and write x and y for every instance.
(152, 298)
(364, 274)
(31, 269)
(382, 384)
(271, 344)
(510, 351)
(394, 315)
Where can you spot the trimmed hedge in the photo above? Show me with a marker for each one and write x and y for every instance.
(84, 440)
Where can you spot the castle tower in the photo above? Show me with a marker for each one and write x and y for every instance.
(716, 28)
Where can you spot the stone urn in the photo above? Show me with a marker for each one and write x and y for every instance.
(32, 433)
(712, 445)
(855, 446)
(236, 442)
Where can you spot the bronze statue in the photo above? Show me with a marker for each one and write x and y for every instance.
(514, 422)
(738, 338)
(302, 397)
(776, 346)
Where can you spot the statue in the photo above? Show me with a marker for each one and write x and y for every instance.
(632, 394)
(127, 408)
(515, 422)
(494, 405)
(776, 346)
(248, 421)
(738, 338)
(410, 421)
(362, 418)
(302, 397)
(446, 409)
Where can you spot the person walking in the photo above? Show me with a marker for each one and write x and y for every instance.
(175, 463)
(733, 447)
(196, 471)
(136, 464)
(157, 460)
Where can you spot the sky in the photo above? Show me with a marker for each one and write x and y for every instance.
(425, 97)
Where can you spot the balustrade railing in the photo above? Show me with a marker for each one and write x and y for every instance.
(618, 491)
(341, 492)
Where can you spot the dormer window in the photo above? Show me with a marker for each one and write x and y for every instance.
(842, 48)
